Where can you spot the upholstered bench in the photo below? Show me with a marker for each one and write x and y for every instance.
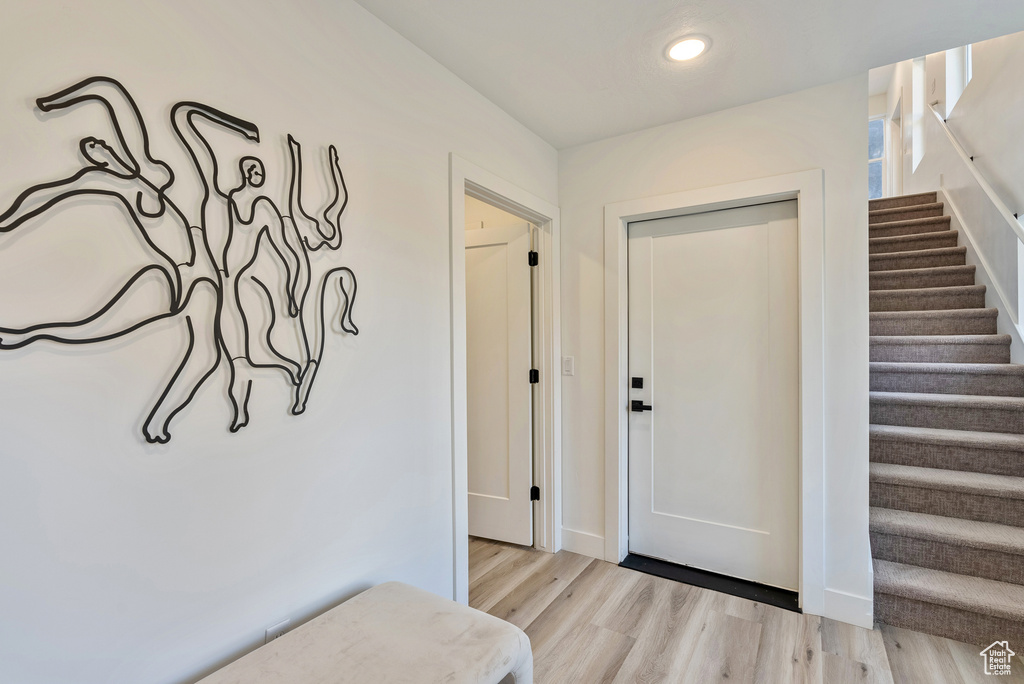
(390, 634)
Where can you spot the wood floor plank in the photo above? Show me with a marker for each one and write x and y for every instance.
(502, 579)
(790, 648)
(726, 651)
(839, 670)
(596, 656)
(859, 645)
(667, 640)
(917, 658)
(485, 555)
(971, 665)
(567, 617)
(552, 576)
(629, 615)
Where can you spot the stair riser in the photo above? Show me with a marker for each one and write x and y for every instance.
(941, 353)
(948, 383)
(952, 623)
(880, 230)
(951, 504)
(910, 244)
(905, 201)
(907, 214)
(933, 325)
(948, 557)
(947, 457)
(881, 262)
(920, 301)
(969, 418)
(904, 281)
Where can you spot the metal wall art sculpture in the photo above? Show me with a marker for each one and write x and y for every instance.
(203, 257)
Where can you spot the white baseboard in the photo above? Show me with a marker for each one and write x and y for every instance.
(855, 610)
(583, 543)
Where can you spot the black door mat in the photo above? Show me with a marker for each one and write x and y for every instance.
(762, 593)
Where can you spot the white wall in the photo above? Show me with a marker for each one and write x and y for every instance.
(824, 128)
(125, 562)
(987, 119)
(877, 104)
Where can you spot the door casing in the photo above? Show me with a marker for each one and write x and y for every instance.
(465, 178)
(807, 187)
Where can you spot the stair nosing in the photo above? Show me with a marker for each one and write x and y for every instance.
(980, 312)
(924, 270)
(913, 237)
(930, 291)
(990, 339)
(910, 207)
(908, 222)
(997, 441)
(972, 534)
(966, 482)
(949, 367)
(918, 253)
(932, 586)
(934, 399)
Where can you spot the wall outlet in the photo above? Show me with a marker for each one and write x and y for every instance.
(568, 365)
(277, 630)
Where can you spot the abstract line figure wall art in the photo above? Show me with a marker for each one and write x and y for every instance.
(202, 255)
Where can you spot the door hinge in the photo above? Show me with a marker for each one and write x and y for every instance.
(534, 376)
(534, 493)
(533, 258)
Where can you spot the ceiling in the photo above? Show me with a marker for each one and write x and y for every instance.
(574, 71)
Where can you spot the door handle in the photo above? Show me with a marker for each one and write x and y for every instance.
(639, 407)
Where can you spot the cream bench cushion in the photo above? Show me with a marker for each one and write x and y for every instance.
(390, 634)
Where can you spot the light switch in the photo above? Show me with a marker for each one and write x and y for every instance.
(568, 365)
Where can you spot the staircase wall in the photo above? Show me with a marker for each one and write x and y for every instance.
(987, 123)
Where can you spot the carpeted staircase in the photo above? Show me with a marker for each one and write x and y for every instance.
(947, 436)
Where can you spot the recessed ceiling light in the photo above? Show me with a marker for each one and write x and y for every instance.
(687, 48)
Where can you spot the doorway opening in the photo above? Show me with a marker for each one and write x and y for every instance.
(500, 373)
(535, 227)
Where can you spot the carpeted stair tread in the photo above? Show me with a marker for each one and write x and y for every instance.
(1001, 441)
(982, 484)
(936, 322)
(912, 226)
(918, 258)
(969, 533)
(998, 453)
(971, 594)
(928, 298)
(995, 379)
(902, 201)
(908, 243)
(940, 348)
(1010, 369)
(950, 411)
(936, 276)
(898, 213)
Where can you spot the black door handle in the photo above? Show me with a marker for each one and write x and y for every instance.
(639, 406)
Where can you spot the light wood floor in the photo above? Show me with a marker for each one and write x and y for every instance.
(590, 622)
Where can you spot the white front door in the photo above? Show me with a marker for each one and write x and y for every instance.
(713, 333)
(498, 358)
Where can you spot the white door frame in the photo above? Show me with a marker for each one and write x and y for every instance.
(807, 187)
(468, 179)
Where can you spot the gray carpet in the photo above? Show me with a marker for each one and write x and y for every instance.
(947, 435)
